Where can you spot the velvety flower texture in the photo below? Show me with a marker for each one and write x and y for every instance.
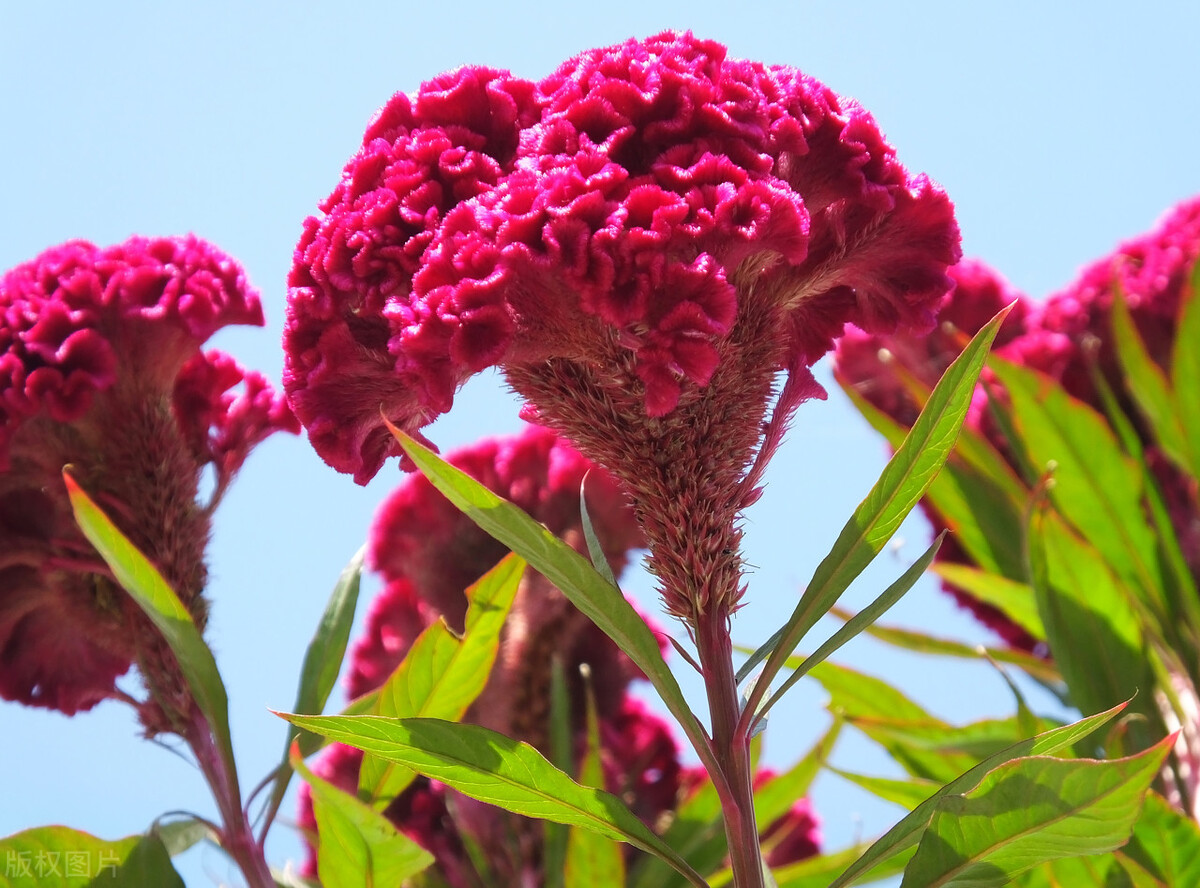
(428, 553)
(1069, 338)
(642, 241)
(101, 368)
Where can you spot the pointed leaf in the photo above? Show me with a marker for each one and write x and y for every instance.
(593, 861)
(595, 549)
(59, 857)
(818, 872)
(903, 482)
(1028, 811)
(1095, 636)
(597, 598)
(860, 621)
(357, 846)
(922, 643)
(443, 674)
(1166, 843)
(1185, 368)
(154, 596)
(1015, 599)
(322, 663)
(494, 769)
(1097, 487)
(908, 831)
(905, 793)
(1147, 383)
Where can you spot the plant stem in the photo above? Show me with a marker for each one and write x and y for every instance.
(731, 747)
(237, 838)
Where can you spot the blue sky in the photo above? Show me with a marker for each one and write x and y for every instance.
(1056, 132)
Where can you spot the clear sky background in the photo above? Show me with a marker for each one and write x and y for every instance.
(1058, 129)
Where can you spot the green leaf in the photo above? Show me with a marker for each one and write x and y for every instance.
(916, 740)
(593, 861)
(595, 548)
(591, 593)
(818, 872)
(903, 482)
(1097, 487)
(1166, 843)
(1015, 599)
(443, 674)
(179, 835)
(905, 793)
(1094, 634)
(908, 831)
(922, 643)
(562, 755)
(1028, 811)
(1147, 383)
(860, 621)
(322, 663)
(357, 846)
(142, 580)
(59, 857)
(494, 769)
(1185, 368)
(976, 494)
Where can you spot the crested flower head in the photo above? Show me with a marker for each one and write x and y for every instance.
(642, 241)
(101, 368)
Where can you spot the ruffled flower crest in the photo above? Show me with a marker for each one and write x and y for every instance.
(101, 368)
(674, 230)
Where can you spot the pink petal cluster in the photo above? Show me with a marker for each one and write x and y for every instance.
(101, 368)
(643, 241)
(1068, 338)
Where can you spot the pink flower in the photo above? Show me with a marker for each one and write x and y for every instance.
(101, 368)
(428, 553)
(647, 237)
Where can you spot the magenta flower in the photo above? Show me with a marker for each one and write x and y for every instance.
(101, 368)
(642, 241)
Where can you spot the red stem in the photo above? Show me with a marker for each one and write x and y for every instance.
(731, 748)
(237, 838)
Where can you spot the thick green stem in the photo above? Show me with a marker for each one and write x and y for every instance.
(731, 747)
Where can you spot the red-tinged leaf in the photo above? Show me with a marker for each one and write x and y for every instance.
(907, 833)
(1028, 811)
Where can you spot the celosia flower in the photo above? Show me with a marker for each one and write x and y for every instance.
(428, 553)
(101, 368)
(642, 241)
